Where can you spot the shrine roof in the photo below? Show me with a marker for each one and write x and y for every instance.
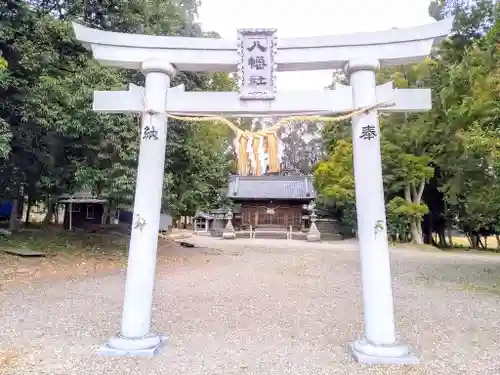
(271, 187)
(204, 215)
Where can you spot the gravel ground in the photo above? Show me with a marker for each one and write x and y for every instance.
(262, 307)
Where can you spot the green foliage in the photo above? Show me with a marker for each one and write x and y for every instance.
(470, 93)
(442, 165)
(5, 135)
(334, 180)
(398, 225)
(51, 139)
(407, 210)
(334, 177)
(400, 214)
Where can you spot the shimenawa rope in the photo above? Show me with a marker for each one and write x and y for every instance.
(242, 136)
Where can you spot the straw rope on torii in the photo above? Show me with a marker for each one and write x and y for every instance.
(269, 134)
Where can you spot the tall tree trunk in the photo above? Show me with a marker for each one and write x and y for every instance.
(414, 196)
(50, 214)
(468, 235)
(50, 210)
(450, 236)
(28, 209)
(442, 237)
(114, 216)
(428, 239)
(416, 231)
(14, 216)
(105, 215)
(480, 242)
(474, 239)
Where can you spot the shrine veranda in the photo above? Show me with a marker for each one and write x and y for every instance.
(257, 55)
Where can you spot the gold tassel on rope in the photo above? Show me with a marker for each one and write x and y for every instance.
(242, 156)
(256, 159)
(272, 145)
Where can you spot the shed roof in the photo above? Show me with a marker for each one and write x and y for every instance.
(83, 196)
(271, 187)
(204, 215)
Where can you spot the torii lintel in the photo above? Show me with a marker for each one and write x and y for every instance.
(287, 103)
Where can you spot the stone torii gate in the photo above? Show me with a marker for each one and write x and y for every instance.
(257, 55)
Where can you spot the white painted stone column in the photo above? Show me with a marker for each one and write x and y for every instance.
(379, 343)
(135, 338)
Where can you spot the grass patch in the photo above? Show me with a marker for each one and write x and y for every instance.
(55, 241)
(460, 244)
(71, 255)
(67, 254)
(463, 242)
(479, 288)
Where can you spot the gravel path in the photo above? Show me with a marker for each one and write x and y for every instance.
(262, 307)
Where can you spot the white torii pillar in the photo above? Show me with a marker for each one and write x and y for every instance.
(379, 343)
(135, 337)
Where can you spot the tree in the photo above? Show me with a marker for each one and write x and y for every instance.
(24, 36)
(58, 143)
(334, 181)
(5, 134)
(302, 147)
(442, 160)
(407, 146)
(470, 110)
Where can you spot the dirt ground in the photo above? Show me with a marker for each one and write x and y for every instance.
(257, 307)
(74, 255)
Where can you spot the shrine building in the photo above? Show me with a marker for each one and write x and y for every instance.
(271, 202)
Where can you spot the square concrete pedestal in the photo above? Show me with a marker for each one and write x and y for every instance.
(369, 354)
(130, 347)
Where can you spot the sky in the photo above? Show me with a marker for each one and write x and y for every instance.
(296, 18)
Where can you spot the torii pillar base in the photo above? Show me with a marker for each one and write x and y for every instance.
(147, 346)
(367, 353)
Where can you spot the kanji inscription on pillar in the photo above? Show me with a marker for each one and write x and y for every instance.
(368, 132)
(150, 133)
(257, 68)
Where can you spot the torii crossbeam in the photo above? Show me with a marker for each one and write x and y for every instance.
(287, 103)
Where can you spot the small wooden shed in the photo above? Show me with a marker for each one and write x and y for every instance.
(81, 209)
(202, 222)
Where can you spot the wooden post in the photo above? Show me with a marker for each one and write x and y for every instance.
(70, 216)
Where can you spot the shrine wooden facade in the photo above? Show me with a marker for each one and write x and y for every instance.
(271, 201)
